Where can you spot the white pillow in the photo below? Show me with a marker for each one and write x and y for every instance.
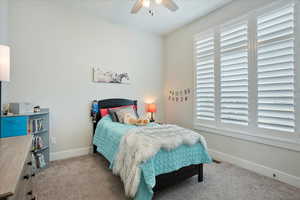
(128, 111)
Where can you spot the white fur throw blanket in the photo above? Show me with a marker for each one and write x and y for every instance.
(140, 144)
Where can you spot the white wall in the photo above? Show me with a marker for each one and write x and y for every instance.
(178, 62)
(3, 21)
(53, 50)
(3, 36)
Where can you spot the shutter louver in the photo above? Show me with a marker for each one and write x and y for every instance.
(205, 89)
(275, 70)
(234, 74)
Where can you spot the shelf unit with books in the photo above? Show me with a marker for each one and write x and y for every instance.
(38, 126)
(35, 124)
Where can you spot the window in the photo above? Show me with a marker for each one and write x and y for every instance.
(234, 74)
(275, 70)
(246, 75)
(205, 89)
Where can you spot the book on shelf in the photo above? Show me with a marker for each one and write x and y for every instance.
(36, 125)
(38, 143)
(40, 160)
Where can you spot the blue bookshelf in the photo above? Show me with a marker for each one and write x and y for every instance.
(26, 124)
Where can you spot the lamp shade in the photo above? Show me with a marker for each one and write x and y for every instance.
(151, 108)
(4, 63)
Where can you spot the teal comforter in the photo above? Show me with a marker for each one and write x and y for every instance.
(108, 136)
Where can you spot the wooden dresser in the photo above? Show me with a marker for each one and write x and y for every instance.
(16, 168)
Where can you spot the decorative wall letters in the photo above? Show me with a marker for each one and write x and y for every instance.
(179, 95)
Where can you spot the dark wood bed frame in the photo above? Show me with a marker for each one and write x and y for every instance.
(163, 180)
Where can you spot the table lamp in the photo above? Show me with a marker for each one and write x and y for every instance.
(4, 68)
(151, 108)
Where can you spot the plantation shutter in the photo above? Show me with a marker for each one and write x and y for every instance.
(275, 70)
(234, 74)
(205, 88)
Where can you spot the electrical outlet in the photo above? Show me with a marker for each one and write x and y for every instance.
(53, 140)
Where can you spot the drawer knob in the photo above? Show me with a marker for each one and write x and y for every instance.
(29, 163)
(26, 177)
(29, 193)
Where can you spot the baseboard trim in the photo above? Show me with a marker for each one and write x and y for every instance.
(260, 169)
(60, 155)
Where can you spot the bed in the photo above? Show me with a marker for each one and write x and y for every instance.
(174, 170)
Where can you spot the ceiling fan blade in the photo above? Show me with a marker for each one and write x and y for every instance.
(137, 6)
(170, 4)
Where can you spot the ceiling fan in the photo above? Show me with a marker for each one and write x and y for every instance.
(170, 4)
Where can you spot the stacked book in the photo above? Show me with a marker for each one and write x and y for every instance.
(36, 125)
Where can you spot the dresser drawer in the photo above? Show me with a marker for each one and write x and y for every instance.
(25, 182)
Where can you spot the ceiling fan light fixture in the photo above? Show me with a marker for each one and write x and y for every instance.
(139, 4)
(146, 3)
(158, 2)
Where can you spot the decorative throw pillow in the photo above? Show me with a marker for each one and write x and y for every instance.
(130, 119)
(123, 111)
(113, 115)
(113, 112)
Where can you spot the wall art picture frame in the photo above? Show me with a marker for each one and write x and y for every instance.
(105, 76)
(179, 95)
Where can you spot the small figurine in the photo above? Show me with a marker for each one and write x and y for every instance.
(37, 109)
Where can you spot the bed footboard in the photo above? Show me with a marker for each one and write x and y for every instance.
(166, 180)
(169, 179)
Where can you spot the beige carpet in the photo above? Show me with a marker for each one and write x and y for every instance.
(88, 178)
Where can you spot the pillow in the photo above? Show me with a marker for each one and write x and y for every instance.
(113, 115)
(105, 111)
(130, 119)
(122, 112)
(113, 111)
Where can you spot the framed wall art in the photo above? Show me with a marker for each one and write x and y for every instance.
(102, 76)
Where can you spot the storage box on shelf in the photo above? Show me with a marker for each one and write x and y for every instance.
(35, 124)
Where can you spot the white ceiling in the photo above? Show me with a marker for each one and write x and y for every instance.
(163, 22)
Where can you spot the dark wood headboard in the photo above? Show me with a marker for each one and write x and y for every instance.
(111, 103)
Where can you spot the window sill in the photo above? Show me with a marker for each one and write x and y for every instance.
(286, 143)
